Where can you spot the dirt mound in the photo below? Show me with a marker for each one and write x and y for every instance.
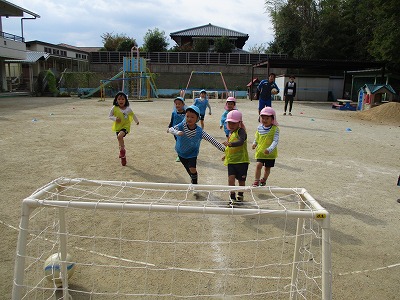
(388, 113)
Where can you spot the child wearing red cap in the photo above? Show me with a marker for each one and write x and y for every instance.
(265, 143)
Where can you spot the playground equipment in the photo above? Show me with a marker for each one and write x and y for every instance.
(195, 93)
(137, 80)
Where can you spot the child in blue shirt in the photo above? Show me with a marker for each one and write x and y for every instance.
(177, 115)
(230, 105)
(188, 137)
(202, 103)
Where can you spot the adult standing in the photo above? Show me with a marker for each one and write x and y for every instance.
(288, 94)
(265, 92)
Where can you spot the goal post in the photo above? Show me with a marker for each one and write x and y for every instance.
(155, 240)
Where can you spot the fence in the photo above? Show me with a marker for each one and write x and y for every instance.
(104, 57)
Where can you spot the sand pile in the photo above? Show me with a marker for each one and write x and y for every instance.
(388, 113)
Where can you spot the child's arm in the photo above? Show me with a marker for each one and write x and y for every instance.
(136, 119)
(171, 121)
(242, 138)
(209, 107)
(213, 141)
(223, 119)
(129, 111)
(274, 143)
(111, 115)
(256, 135)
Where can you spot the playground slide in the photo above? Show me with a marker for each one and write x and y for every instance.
(105, 83)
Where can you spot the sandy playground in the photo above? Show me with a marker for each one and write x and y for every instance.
(348, 161)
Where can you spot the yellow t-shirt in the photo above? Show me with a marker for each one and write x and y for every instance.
(236, 155)
(263, 142)
(126, 120)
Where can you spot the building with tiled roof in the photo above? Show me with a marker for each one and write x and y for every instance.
(211, 32)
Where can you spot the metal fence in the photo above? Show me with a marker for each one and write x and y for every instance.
(111, 57)
(10, 36)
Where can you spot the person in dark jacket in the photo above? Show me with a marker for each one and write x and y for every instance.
(288, 94)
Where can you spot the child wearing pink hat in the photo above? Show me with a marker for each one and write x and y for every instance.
(265, 143)
(236, 155)
(230, 105)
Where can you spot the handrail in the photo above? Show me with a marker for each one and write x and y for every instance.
(13, 37)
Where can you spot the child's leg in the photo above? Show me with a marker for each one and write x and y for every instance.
(193, 175)
(202, 123)
(257, 173)
(121, 143)
(240, 194)
(267, 171)
(120, 138)
(231, 182)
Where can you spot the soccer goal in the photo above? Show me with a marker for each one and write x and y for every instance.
(164, 240)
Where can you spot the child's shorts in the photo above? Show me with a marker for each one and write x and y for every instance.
(202, 117)
(239, 170)
(188, 162)
(269, 163)
(123, 130)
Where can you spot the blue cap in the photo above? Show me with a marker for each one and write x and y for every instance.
(203, 91)
(194, 109)
(180, 98)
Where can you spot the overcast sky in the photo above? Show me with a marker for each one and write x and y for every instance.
(83, 22)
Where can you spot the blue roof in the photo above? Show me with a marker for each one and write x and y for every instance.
(374, 88)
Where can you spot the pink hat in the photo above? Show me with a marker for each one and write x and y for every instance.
(269, 111)
(235, 116)
(230, 99)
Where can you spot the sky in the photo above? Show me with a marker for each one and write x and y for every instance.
(81, 23)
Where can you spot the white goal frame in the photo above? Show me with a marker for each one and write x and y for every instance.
(309, 209)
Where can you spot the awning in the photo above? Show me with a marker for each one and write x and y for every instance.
(31, 57)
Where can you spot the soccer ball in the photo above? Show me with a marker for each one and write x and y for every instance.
(274, 91)
(52, 268)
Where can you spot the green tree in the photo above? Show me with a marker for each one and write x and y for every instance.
(155, 41)
(384, 44)
(258, 49)
(223, 45)
(126, 45)
(111, 41)
(201, 45)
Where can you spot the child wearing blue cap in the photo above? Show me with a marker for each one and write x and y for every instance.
(202, 103)
(188, 137)
(177, 115)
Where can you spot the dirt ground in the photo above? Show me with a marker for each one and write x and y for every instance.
(348, 161)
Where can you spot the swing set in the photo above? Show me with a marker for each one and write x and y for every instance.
(195, 93)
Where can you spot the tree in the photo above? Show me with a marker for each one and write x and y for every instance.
(201, 45)
(126, 45)
(258, 49)
(386, 35)
(223, 45)
(112, 42)
(155, 41)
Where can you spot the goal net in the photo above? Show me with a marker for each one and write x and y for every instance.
(158, 240)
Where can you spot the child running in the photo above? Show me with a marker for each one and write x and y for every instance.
(177, 115)
(202, 103)
(236, 155)
(230, 105)
(265, 143)
(188, 137)
(122, 115)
